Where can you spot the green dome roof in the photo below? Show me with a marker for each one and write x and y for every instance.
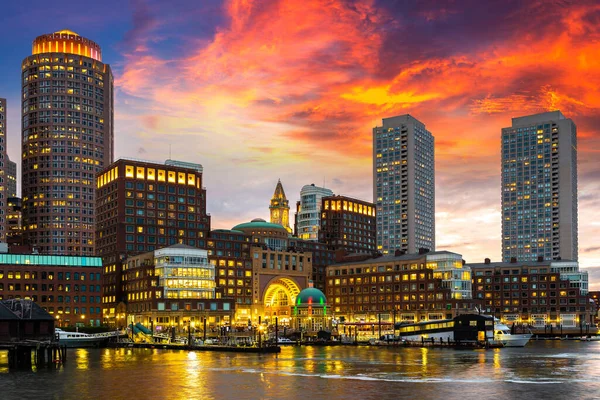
(311, 296)
(258, 223)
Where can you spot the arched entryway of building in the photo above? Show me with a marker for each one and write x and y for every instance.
(279, 298)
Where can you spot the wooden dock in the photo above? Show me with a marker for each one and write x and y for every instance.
(29, 353)
(212, 348)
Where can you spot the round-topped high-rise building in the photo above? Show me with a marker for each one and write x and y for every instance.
(67, 138)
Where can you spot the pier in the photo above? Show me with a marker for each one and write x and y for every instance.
(212, 348)
(27, 354)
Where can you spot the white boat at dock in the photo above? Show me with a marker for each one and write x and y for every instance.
(503, 336)
(79, 339)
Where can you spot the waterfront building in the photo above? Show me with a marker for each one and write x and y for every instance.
(595, 304)
(310, 314)
(68, 287)
(321, 258)
(404, 185)
(143, 206)
(67, 137)
(538, 293)
(280, 208)
(308, 212)
(348, 224)
(229, 252)
(279, 273)
(400, 287)
(539, 188)
(173, 287)
(24, 320)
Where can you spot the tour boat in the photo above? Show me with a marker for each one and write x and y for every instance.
(78, 339)
(503, 336)
(463, 328)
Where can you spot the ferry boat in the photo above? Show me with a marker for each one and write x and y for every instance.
(463, 328)
(503, 336)
(78, 339)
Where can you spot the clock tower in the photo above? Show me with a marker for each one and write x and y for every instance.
(280, 209)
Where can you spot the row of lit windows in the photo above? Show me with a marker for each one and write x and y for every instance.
(338, 205)
(149, 174)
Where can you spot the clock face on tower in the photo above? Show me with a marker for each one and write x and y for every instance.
(275, 214)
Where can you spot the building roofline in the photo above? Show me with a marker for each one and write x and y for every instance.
(392, 258)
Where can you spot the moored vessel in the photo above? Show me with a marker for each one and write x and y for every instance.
(79, 339)
(503, 336)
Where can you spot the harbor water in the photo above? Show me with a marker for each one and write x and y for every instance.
(551, 369)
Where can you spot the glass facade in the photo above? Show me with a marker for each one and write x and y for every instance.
(309, 211)
(185, 273)
(66, 261)
(404, 185)
(539, 188)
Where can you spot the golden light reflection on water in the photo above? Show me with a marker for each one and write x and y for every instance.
(497, 357)
(81, 358)
(424, 354)
(3, 362)
(160, 374)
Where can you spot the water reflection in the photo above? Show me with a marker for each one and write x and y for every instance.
(424, 353)
(81, 358)
(569, 370)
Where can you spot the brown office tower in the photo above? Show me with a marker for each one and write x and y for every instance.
(67, 138)
(348, 224)
(143, 206)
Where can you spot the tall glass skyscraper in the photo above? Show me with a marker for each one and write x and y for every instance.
(67, 138)
(539, 188)
(404, 185)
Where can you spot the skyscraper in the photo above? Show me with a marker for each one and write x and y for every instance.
(404, 185)
(308, 211)
(67, 138)
(539, 188)
(280, 208)
(4, 173)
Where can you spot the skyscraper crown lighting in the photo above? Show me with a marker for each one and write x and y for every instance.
(66, 41)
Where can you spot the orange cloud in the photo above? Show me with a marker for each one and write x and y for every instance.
(292, 89)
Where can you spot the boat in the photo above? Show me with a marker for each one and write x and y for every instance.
(283, 340)
(79, 339)
(465, 328)
(503, 336)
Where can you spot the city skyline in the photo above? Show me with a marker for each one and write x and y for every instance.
(300, 103)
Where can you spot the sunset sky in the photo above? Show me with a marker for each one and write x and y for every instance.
(260, 90)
